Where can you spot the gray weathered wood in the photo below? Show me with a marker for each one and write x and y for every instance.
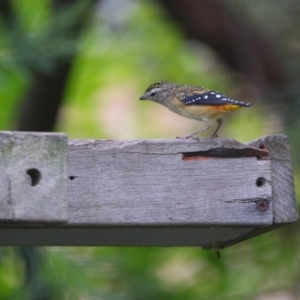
(145, 192)
(33, 177)
(149, 183)
(284, 199)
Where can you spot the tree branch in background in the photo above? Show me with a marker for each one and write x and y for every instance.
(39, 108)
(244, 48)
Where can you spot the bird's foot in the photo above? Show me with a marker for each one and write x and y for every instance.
(193, 137)
(214, 136)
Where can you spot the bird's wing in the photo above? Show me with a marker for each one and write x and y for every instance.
(206, 97)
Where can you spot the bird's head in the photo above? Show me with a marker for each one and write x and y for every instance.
(157, 92)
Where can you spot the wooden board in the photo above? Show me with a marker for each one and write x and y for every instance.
(153, 183)
(33, 177)
(284, 198)
(212, 193)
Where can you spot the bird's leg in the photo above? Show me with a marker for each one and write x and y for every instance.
(219, 121)
(193, 135)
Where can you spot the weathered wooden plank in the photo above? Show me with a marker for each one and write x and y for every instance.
(167, 183)
(212, 193)
(284, 200)
(6, 210)
(33, 177)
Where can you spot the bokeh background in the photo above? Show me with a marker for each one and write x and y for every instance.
(80, 67)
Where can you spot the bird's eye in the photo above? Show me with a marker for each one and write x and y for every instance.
(152, 94)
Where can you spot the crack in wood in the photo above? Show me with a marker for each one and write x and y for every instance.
(247, 200)
(10, 200)
(226, 153)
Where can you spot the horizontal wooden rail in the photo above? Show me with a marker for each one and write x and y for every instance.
(210, 193)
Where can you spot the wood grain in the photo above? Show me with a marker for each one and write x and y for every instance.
(284, 200)
(212, 193)
(33, 178)
(149, 183)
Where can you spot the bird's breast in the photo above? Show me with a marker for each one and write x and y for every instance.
(202, 112)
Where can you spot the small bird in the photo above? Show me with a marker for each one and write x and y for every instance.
(193, 102)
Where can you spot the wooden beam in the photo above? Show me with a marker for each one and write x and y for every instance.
(33, 177)
(282, 182)
(167, 183)
(210, 193)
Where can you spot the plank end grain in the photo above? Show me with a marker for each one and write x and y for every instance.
(33, 179)
(284, 200)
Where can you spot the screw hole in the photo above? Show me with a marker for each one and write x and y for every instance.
(260, 181)
(35, 176)
(72, 177)
(262, 146)
(262, 205)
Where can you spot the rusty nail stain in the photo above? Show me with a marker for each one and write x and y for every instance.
(184, 157)
(262, 205)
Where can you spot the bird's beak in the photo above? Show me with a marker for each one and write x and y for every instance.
(143, 97)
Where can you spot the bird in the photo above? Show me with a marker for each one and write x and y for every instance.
(193, 102)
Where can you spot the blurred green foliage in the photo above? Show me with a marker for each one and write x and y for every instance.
(119, 54)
